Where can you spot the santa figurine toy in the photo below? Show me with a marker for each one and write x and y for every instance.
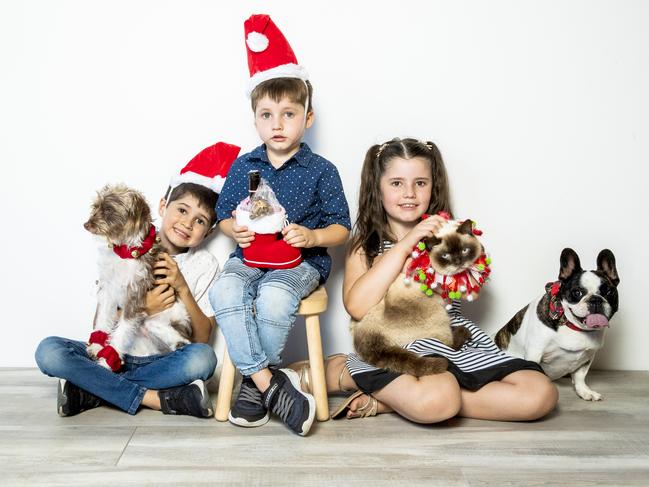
(262, 213)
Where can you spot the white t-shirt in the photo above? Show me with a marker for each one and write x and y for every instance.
(199, 268)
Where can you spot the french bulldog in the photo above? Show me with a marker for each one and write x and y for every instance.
(563, 329)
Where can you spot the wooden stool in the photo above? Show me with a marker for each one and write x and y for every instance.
(310, 307)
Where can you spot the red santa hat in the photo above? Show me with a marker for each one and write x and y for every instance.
(209, 167)
(269, 54)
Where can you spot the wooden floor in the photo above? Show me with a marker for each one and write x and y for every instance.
(582, 443)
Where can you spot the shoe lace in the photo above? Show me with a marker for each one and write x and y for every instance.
(250, 394)
(283, 404)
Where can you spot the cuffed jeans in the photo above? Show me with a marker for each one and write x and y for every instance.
(67, 359)
(256, 308)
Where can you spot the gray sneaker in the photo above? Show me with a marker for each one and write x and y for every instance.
(284, 398)
(248, 410)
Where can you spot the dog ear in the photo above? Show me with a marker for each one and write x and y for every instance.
(569, 264)
(139, 213)
(606, 264)
(466, 227)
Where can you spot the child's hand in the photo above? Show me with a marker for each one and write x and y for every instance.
(299, 236)
(167, 272)
(425, 229)
(159, 298)
(240, 234)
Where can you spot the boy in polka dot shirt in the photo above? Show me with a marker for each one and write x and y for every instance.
(256, 308)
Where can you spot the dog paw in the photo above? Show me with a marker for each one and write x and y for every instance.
(589, 395)
(104, 364)
(93, 349)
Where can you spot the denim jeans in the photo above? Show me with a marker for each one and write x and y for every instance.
(256, 308)
(67, 359)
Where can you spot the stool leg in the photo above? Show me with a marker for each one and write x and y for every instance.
(226, 383)
(316, 362)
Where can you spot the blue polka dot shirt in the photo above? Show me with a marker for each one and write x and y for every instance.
(308, 187)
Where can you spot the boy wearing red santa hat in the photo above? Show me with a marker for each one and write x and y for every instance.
(168, 380)
(255, 303)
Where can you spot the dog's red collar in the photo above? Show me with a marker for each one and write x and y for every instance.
(556, 310)
(573, 327)
(126, 252)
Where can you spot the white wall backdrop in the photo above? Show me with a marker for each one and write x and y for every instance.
(541, 110)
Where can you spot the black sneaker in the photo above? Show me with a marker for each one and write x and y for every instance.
(72, 400)
(248, 410)
(192, 399)
(285, 399)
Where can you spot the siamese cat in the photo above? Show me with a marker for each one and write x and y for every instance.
(405, 314)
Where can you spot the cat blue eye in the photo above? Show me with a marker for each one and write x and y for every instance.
(466, 250)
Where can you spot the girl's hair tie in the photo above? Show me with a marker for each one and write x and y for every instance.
(378, 152)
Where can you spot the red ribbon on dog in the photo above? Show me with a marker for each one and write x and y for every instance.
(99, 337)
(110, 355)
(126, 252)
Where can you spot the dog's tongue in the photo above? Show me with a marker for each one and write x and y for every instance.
(596, 321)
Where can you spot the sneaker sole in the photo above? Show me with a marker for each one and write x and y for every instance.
(206, 402)
(61, 399)
(244, 423)
(294, 377)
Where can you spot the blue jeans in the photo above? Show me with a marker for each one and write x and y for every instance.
(256, 308)
(67, 359)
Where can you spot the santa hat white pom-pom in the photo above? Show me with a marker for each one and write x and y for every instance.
(257, 42)
(469, 297)
(463, 288)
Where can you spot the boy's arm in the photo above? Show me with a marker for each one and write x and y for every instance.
(201, 324)
(334, 216)
(330, 236)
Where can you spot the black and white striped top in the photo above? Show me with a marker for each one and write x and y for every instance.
(478, 353)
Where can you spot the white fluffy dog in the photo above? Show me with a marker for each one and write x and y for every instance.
(126, 273)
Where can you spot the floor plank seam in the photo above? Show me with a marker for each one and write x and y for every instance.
(125, 447)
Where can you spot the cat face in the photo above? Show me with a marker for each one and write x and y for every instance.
(454, 250)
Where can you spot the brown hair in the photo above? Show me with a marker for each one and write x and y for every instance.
(206, 197)
(294, 89)
(371, 227)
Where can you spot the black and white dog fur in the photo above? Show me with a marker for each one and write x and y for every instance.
(122, 217)
(563, 329)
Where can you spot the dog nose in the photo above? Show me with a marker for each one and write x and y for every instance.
(86, 226)
(595, 304)
(595, 300)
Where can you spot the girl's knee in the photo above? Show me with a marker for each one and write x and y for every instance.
(548, 398)
(438, 403)
(540, 396)
(200, 362)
